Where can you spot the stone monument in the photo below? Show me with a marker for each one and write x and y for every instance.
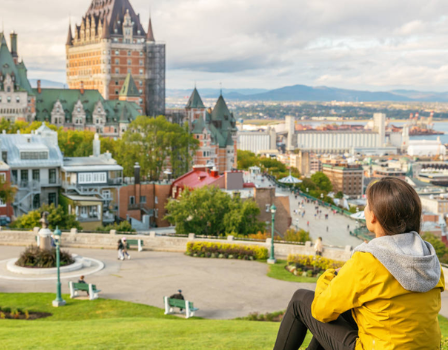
(45, 233)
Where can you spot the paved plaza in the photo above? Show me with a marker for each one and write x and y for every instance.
(221, 289)
(337, 234)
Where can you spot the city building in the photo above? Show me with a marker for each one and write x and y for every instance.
(17, 100)
(216, 131)
(347, 178)
(428, 148)
(437, 204)
(79, 109)
(6, 209)
(111, 43)
(90, 187)
(336, 141)
(257, 141)
(35, 161)
(143, 203)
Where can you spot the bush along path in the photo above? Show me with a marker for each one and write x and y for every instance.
(226, 251)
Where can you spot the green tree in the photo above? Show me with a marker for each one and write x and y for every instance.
(56, 217)
(7, 192)
(242, 218)
(440, 247)
(75, 143)
(153, 143)
(247, 159)
(210, 211)
(339, 195)
(322, 181)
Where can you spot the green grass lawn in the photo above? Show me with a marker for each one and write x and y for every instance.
(279, 272)
(114, 324)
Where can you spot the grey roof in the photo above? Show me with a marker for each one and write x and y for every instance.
(103, 162)
(15, 143)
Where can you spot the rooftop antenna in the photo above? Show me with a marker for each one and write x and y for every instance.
(220, 84)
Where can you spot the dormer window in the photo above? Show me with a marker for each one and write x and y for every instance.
(99, 109)
(79, 110)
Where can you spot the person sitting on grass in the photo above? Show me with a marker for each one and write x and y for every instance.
(179, 296)
(386, 296)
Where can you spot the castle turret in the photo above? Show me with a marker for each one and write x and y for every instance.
(69, 36)
(14, 51)
(150, 33)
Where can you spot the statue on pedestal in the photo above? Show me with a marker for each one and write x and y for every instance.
(45, 233)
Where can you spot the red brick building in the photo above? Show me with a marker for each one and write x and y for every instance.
(6, 209)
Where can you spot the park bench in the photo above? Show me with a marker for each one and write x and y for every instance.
(181, 304)
(85, 287)
(135, 242)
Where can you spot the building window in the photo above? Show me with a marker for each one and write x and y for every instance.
(36, 175)
(131, 200)
(156, 213)
(117, 52)
(117, 61)
(117, 71)
(24, 177)
(141, 62)
(143, 199)
(36, 201)
(52, 198)
(116, 92)
(116, 82)
(5, 157)
(33, 155)
(14, 176)
(141, 71)
(156, 200)
(129, 70)
(2, 177)
(9, 99)
(18, 99)
(141, 53)
(129, 62)
(141, 83)
(52, 176)
(268, 208)
(129, 53)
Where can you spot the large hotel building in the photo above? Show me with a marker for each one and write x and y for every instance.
(111, 43)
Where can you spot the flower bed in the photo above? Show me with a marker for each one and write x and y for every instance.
(18, 314)
(226, 251)
(310, 266)
(34, 257)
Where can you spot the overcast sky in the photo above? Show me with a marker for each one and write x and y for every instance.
(356, 44)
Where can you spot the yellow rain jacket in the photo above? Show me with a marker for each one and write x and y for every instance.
(388, 316)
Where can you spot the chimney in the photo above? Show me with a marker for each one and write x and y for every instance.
(137, 174)
(39, 89)
(96, 146)
(14, 52)
(82, 88)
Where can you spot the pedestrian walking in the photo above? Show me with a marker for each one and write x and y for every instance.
(327, 228)
(125, 250)
(120, 250)
(348, 227)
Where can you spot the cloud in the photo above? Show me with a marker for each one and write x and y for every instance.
(264, 43)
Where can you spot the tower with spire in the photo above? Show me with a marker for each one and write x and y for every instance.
(109, 44)
(216, 131)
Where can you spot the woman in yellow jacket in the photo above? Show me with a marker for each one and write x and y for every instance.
(387, 296)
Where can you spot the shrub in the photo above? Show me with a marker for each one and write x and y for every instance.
(317, 262)
(43, 258)
(124, 226)
(301, 235)
(231, 251)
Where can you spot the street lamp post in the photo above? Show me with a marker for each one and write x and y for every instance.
(57, 238)
(271, 259)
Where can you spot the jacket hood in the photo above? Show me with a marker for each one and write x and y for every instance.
(411, 260)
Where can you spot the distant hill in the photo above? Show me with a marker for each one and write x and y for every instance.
(323, 93)
(214, 93)
(47, 84)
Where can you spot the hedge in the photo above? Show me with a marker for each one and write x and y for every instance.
(228, 251)
(317, 262)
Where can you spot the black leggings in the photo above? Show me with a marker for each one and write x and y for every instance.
(340, 334)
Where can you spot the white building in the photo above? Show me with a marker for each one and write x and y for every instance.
(426, 148)
(256, 141)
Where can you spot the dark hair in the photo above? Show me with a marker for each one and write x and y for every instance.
(81, 278)
(395, 204)
(320, 238)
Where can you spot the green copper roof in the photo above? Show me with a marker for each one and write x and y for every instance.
(23, 78)
(129, 88)
(195, 100)
(116, 111)
(220, 109)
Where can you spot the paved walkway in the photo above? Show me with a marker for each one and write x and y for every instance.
(337, 234)
(221, 289)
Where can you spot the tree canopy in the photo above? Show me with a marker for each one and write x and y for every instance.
(210, 211)
(322, 181)
(57, 217)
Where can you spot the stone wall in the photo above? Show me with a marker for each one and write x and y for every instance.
(162, 243)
